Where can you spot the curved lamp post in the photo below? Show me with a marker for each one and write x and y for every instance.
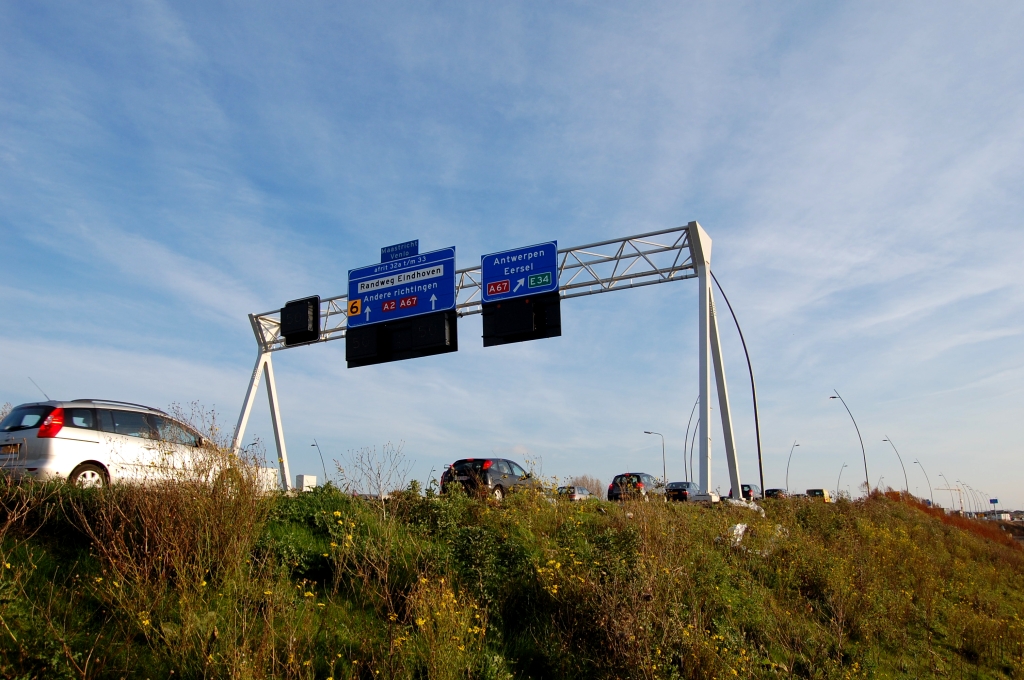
(977, 501)
(840, 477)
(753, 387)
(867, 480)
(686, 439)
(970, 501)
(949, 487)
(664, 475)
(981, 500)
(931, 495)
(692, 442)
(905, 482)
(787, 463)
(974, 497)
(321, 459)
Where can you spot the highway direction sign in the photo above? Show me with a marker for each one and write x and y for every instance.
(396, 290)
(400, 251)
(519, 272)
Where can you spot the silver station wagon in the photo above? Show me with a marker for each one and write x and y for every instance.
(93, 442)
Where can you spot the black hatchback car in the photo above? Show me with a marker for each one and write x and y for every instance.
(638, 485)
(680, 491)
(494, 477)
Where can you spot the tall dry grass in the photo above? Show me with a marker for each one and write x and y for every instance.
(224, 581)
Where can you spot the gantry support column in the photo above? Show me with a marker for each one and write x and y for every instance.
(710, 353)
(263, 363)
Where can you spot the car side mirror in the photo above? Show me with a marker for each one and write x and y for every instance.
(527, 475)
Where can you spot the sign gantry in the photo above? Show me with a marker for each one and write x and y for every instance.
(645, 259)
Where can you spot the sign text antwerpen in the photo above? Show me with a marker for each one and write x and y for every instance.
(408, 287)
(520, 272)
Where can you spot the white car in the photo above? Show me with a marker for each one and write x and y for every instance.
(92, 442)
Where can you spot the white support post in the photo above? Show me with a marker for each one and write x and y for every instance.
(723, 401)
(263, 363)
(700, 246)
(275, 418)
(250, 397)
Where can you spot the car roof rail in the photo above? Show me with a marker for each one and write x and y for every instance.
(119, 403)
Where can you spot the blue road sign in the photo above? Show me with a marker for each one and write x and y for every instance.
(395, 290)
(400, 251)
(519, 272)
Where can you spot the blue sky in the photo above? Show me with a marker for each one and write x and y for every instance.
(165, 169)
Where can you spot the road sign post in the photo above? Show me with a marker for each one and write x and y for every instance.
(519, 294)
(402, 309)
(519, 272)
(402, 288)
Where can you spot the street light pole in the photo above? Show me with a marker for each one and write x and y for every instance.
(753, 387)
(970, 501)
(977, 501)
(905, 482)
(664, 475)
(931, 495)
(686, 470)
(692, 442)
(787, 463)
(949, 487)
(867, 480)
(840, 477)
(321, 459)
(974, 497)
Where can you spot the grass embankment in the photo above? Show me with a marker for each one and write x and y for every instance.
(185, 581)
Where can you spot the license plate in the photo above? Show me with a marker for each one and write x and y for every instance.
(9, 449)
(462, 478)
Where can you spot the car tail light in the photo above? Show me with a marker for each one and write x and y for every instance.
(487, 464)
(611, 486)
(52, 425)
(640, 485)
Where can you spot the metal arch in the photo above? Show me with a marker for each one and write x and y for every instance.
(602, 267)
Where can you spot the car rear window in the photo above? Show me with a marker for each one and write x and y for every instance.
(25, 418)
(131, 423)
(79, 417)
(467, 466)
(627, 479)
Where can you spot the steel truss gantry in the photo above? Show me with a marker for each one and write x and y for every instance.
(617, 264)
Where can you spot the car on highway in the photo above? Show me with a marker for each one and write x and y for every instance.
(819, 494)
(636, 485)
(95, 442)
(680, 491)
(750, 492)
(575, 493)
(776, 493)
(495, 477)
